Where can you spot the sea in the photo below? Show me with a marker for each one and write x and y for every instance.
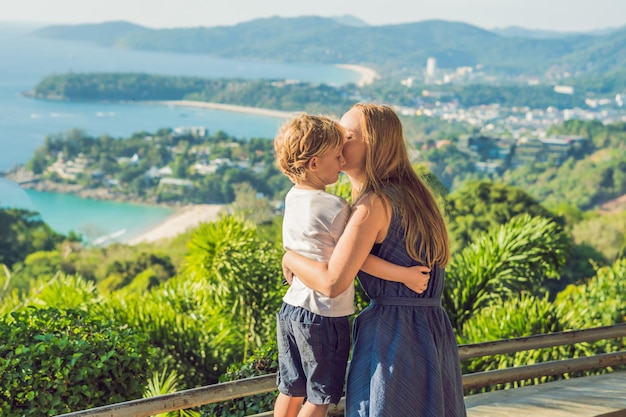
(25, 121)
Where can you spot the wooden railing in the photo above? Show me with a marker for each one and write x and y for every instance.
(231, 390)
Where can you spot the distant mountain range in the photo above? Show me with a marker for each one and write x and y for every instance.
(401, 48)
(517, 31)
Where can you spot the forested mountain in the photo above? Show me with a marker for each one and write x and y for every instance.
(400, 47)
(598, 57)
(520, 32)
(101, 33)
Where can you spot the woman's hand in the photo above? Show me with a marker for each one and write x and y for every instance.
(418, 278)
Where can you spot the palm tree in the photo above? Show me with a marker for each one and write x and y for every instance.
(242, 275)
(163, 383)
(517, 256)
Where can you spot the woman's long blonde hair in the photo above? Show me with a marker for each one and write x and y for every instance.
(389, 174)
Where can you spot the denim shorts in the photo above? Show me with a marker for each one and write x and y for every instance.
(312, 354)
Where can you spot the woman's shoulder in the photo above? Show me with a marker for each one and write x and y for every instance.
(376, 211)
(374, 200)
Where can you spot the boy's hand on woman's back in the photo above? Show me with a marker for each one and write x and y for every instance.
(418, 278)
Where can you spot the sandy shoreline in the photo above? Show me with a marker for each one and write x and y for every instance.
(368, 75)
(182, 220)
(228, 107)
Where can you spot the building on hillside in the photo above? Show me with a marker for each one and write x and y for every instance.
(200, 168)
(152, 173)
(166, 171)
(133, 160)
(485, 148)
(556, 149)
(69, 169)
(564, 89)
(172, 187)
(176, 182)
(490, 167)
(195, 131)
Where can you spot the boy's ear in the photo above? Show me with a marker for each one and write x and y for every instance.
(312, 164)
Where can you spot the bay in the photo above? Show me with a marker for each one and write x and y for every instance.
(25, 122)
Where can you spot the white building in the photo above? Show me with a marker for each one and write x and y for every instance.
(431, 67)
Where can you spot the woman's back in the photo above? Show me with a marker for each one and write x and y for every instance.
(403, 346)
(393, 249)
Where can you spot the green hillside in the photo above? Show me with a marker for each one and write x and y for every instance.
(386, 48)
(100, 33)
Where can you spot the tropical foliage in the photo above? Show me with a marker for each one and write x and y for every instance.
(517, 257)
(524, 315)
(23, 232)
(202, 306)
(598, 302)
(264, 361)
(163, 383)
(481, 205)
(241, 275)
(56, 361)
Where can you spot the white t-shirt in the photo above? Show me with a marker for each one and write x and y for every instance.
(313, 222)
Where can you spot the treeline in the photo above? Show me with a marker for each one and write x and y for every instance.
(315, 98)
(24, 232)
(128, 319)
(271, 94)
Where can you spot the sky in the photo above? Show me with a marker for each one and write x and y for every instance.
(558, 15)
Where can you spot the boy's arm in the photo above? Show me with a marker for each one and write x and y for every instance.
(414, 277)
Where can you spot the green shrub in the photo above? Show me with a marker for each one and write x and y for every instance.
(263, 362)
(56, 361)
(601, 301)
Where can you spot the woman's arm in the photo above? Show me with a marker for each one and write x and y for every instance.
(367, 224)
(414, 277)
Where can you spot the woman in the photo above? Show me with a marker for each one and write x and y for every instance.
(405, 360)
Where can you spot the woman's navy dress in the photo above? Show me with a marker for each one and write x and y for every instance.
(405, 361)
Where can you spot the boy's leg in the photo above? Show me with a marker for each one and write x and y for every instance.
(287, 406)
(324, 347)
(313, 410)
(291, 379)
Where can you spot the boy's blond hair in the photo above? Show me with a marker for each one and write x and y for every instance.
(303, 137)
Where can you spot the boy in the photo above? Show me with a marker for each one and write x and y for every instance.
(313, 330)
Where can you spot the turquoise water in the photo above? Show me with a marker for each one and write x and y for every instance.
(97, 221)
(93, 219)
(25, 122)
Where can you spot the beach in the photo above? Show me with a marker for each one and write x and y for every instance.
(184, 219)
(229, 107)
(368, 75)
